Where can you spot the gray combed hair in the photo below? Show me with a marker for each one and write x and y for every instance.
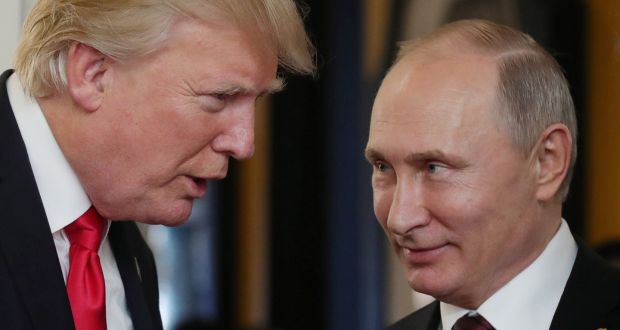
(533, 92)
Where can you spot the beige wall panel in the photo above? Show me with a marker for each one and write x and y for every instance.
(10, 25)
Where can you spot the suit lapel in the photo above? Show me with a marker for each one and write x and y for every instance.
(25, 239)
(129, 262)
(427, 318)
(434, 317)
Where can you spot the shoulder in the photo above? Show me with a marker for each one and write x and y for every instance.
(590, 272)
(424, 318)
(591, 297)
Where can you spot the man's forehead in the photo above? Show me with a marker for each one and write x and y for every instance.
(447, 82)
(433, 108)
(447, 108)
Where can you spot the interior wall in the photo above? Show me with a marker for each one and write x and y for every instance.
(11, 17)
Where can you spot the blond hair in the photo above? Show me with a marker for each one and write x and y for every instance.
(533, 92)
(123, 29)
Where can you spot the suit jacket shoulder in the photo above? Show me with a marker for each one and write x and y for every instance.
(591, 298)
(426, 318)
(32, 289)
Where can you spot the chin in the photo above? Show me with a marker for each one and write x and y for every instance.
(147, 204)
(427, 282)
(171, 217)
(175, 214)
(172, 222)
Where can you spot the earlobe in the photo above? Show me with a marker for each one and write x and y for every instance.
(553, 156)
(86, 68)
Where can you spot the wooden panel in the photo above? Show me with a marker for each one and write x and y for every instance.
(252, 277)
(376, 27)
(603, 121)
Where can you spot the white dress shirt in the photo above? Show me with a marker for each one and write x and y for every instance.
(64, 199)
(530, 299)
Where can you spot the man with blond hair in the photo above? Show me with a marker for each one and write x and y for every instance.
(473, 143)
(121, 111)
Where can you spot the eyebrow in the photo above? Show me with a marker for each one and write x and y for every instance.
(372, 154)
(412, 158)
(275, 86)
(426, 155)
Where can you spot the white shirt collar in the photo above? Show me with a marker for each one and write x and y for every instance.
(63, 197)
(530, 299)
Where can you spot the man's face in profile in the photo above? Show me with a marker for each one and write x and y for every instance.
(171, 120)
(451, 191)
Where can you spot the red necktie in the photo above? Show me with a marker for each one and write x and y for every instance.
(85, 284)
(475, 322)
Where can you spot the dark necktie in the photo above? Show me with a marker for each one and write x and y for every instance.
(475, 322)
(85, 283)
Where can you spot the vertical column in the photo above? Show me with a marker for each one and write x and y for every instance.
(603, 117)
(354, 238)
(252, 257)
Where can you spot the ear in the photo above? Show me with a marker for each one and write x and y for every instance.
(553, 159)
(86, 69)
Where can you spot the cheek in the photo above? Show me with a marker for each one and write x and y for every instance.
(466, 216)
(479, 230)
(382, 200)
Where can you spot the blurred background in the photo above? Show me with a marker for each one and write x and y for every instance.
(289, 239)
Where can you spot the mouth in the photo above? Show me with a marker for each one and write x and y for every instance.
(423, 255)
(198, 186)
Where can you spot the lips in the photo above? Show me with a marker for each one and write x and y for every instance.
(198, 186)
(416, 255)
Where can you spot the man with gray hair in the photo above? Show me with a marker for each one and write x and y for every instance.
(121, 111)
(473, 142)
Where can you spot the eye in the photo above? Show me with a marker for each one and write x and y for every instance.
(220, 96)
(381, 167)
(214, 102)
(434, 168)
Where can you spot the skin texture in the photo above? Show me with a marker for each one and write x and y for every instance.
(464, 210)
(145, 135)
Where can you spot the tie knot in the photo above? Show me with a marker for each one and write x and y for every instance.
(87, 230)
(472, 322)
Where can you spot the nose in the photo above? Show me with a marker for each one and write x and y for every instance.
(407, 210)
(237, 139)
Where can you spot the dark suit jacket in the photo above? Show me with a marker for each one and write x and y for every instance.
(32, 290)
(591, 299)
